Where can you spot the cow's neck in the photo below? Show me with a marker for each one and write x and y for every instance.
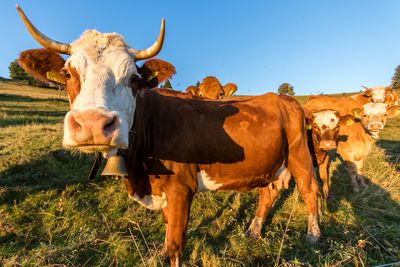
(319, 153)
(183, 130)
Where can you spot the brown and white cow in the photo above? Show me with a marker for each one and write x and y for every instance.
(246, 141)
(323, 136)
(345, 104)
(357, 138)
(211, 88)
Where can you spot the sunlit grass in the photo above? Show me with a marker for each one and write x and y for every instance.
(50, 213)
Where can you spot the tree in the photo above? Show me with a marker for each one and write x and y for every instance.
(396, 79)
(167, 84)
(286, 88)
(197, 84)
(18, 73)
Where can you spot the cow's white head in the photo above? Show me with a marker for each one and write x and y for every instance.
(324, 125)
(101, 79)
(377, 93)
(373, 116)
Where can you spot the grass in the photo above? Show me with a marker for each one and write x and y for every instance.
(51, 214)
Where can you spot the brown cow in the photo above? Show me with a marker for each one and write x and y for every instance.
(359, 136)
(345, 104)
(247, 140)
(323, 137)
(211, 88)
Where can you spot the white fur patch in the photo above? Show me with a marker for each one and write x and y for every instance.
(105, 66)
(327, 118)
(283, 177)
(204, 182)
(375, 108)
(151, 202)
(378, 93)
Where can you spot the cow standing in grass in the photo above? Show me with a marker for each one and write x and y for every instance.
(358, 137)
(244, 142)
(323, 134)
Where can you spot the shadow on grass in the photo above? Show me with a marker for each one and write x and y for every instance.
(56, 170)
(19, 98)
(376, 213)
(392, 151)
(242, 216)
(13, 115)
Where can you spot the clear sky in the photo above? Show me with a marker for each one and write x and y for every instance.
(317, 46)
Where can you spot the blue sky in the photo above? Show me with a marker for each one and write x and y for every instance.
(317, 46)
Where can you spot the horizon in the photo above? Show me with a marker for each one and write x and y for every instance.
(317, 47)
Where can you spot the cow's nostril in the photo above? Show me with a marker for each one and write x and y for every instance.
(110, 126)
(74, 124)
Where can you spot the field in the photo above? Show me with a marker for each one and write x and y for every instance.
(52, 215)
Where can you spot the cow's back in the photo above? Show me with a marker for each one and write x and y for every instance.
(343, 104)
(233, 139)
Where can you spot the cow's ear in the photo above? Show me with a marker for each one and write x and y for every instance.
(368, 91)
(347, 120)
(388, 89)
(308, 112)
(229, 89)
(393, 111)
(357, 113)
(156, 71)
(192, 90)
(42, 64)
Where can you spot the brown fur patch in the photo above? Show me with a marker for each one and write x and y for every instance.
(73, 84)
(211, 88)
(36, 62)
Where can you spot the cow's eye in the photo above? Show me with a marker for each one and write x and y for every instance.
(385, 115)
(134, 78)
(365, 115)
(66, 73)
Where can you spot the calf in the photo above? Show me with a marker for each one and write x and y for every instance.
(323, 137)
(357, 138)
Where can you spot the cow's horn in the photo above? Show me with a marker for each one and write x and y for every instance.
(42, 39)
(154, 49)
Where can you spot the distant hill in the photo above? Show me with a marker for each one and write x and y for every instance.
(4, 79)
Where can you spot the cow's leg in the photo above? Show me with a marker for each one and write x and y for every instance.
(352, 170)
(360, 176)
(266, 199)
(324, 175)
(179, 199)
(300, 165)
(163, 253)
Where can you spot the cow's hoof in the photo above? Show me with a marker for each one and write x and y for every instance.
(312, 238)
(161, 251)
(356, 189)
(253, 234)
